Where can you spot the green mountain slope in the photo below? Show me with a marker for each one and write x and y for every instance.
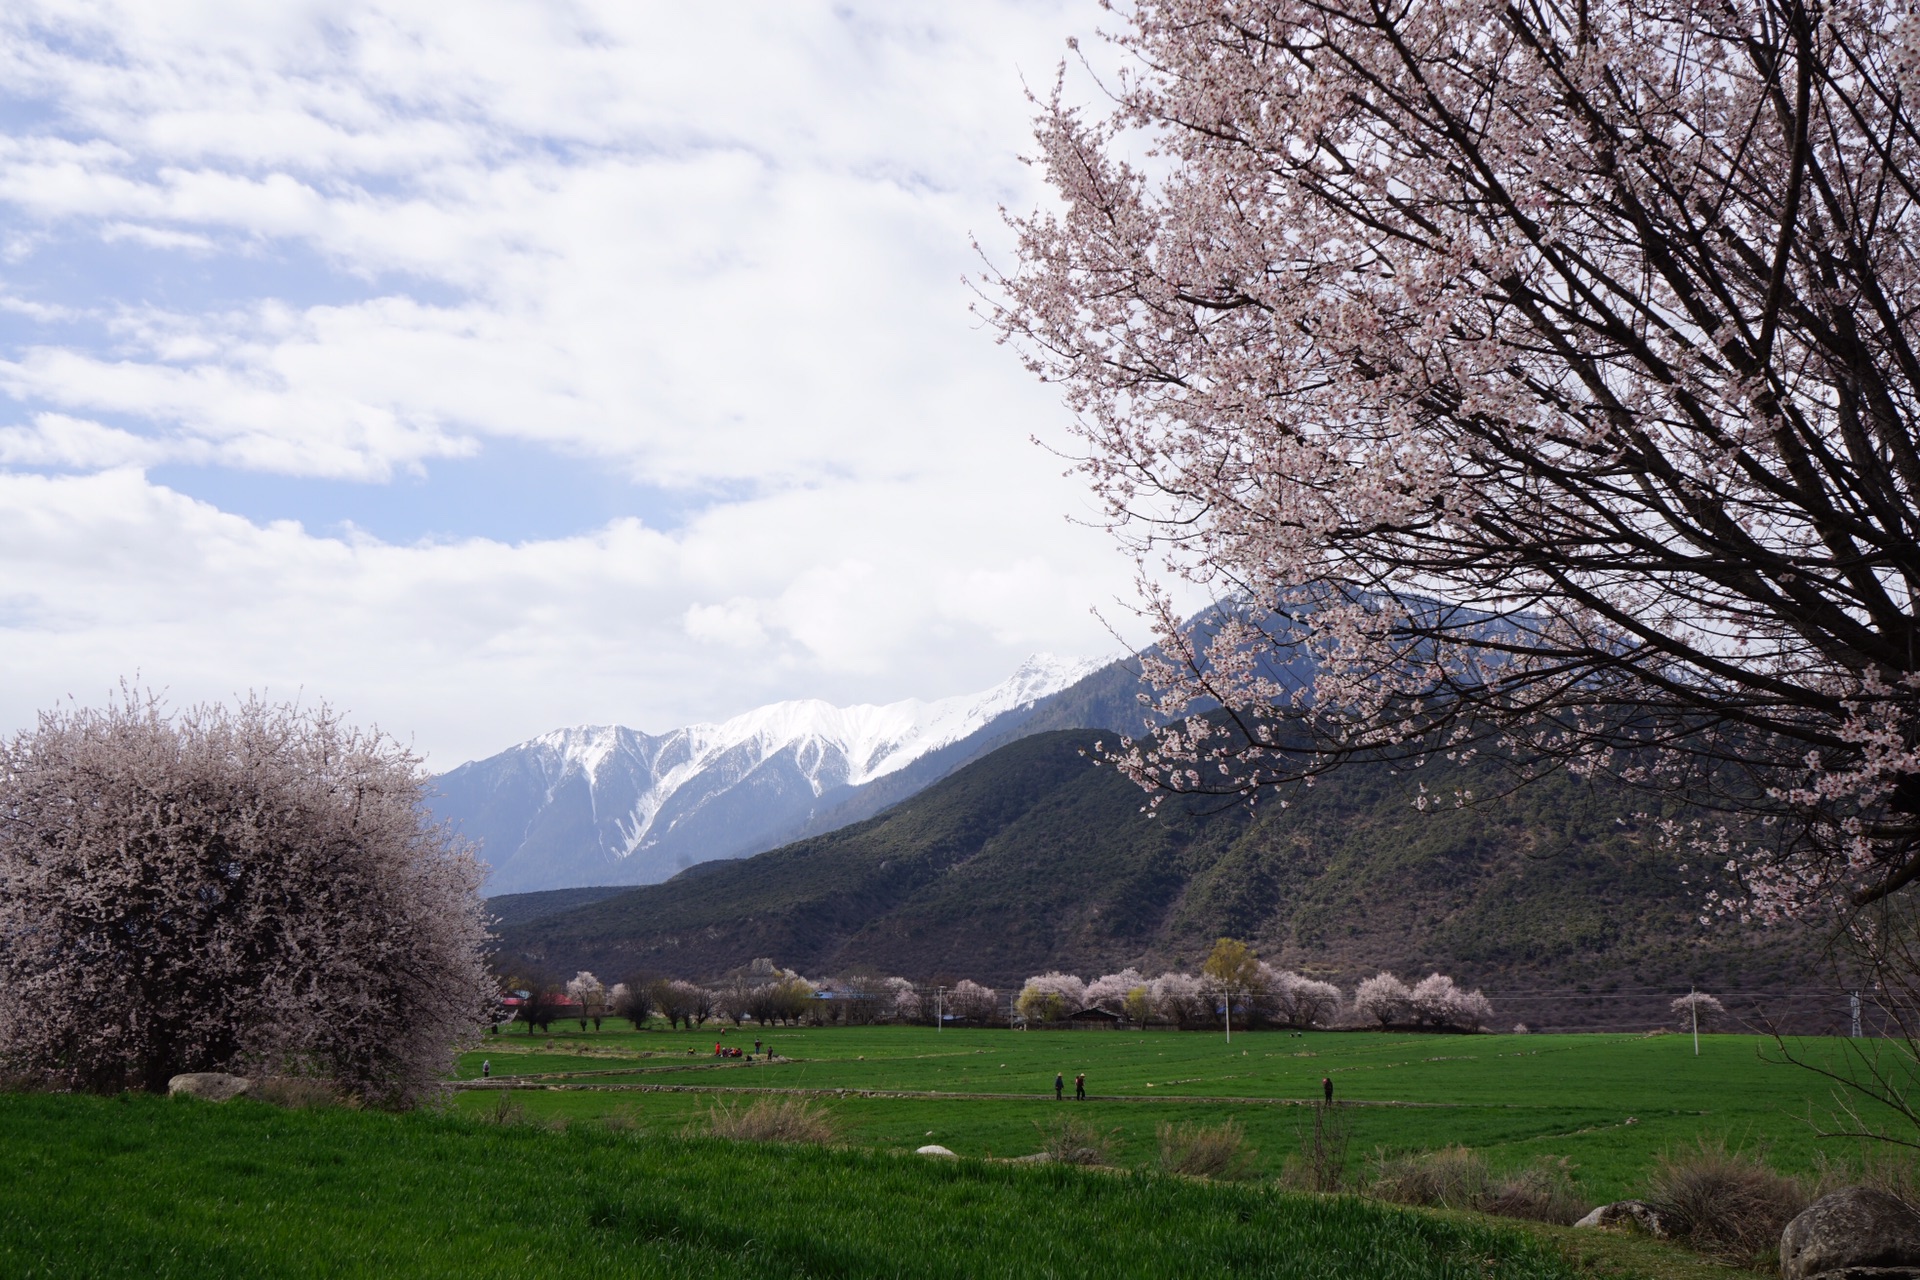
(1032, 859)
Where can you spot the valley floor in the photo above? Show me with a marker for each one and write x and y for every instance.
(584, 1154)
(175, 1189)
(1611, 1104)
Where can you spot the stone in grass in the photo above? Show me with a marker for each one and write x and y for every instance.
(1636, 1215)
(1852, 1235)
(212, 1086)
(932, 1149)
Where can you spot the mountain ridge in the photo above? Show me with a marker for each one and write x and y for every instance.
(603, 804)
(1031, 859)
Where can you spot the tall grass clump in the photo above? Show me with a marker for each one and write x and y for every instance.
(1726, 1203)
(1206, 1151)
(1072, 1140)
(787, 1120)
(1451, 1178)
(1321, 1162)
(1458, 1178)
(505, 1110)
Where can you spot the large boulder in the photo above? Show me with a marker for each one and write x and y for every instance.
(213, 1086)
(1858, 1232)
(1636, 1215)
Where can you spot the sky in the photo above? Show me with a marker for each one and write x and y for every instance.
(480, 369)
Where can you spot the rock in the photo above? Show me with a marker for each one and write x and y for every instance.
(1636, 1215)
(213, 1086)
(932, 1149)
(1858, 1232)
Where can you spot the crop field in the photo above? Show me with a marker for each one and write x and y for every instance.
(152, 1188)
(586, 1154)
(1608, 1103)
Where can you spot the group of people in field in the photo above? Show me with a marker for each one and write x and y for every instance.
(731, 1051)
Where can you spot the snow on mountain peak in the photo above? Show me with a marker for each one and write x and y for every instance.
(831, 746)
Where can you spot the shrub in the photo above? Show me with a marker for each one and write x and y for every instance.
(1698, 1008)
(1072, 1140)
(254, 890)
(1206, 1151)
(1542, 1192)
(1726, 1203)
(506, 1110)
(1321, 1163)
(767, 1120)
(1451, 1178)
(1458, 1178)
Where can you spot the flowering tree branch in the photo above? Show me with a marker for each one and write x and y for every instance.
(1532, 375)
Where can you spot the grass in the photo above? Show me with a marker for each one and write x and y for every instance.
(155, 1187)
(588, 1154)
(1608, 1104)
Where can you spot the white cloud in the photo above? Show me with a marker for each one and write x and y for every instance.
(56, 440)
(712, 249)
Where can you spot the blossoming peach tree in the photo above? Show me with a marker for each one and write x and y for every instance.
(1530, 374)
(257, 889)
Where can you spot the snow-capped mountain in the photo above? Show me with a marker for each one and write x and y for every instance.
(607, 805)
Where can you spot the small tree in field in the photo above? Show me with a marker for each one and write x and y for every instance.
(630, 1000)
(1296, 1001)
(1180, 998)
(1384, 999)
(1438, 1002)
(1109, 992)
(703, 1003)
(254, 889)
(1700, 1005)
(1050, 997)
(540, 1003)
(1232, 969)
(589, 997)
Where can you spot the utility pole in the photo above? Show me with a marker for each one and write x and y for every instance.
(1693, 1007)
(939, 1020)
(1229, 991)
(1854, 1000)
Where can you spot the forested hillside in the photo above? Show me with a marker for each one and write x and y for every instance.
(1032, 859)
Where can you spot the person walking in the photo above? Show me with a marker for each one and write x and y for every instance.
(1059, 1086)
(486, 1067)
(1080, 1087)
(756, 1045)
(1326, 1087)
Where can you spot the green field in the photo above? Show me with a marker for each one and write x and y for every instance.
(1609, 1103)
(602, 1170)
(150, 1188)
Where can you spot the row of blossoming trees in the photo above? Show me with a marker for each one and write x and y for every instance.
(761, 992)
(1264, 996)
(1258, 996)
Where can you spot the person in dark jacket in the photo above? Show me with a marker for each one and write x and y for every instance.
(1059, 1086)
(1080, 1086)
(1326, 1087)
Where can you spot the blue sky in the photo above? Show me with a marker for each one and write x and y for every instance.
(486, 368)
